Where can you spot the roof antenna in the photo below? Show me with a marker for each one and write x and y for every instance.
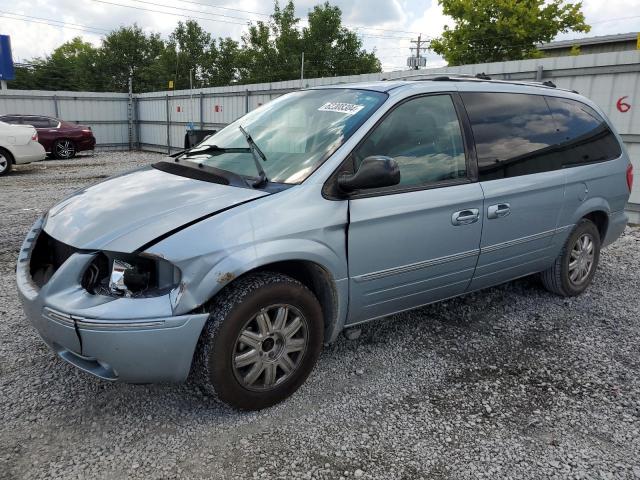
(483, 76)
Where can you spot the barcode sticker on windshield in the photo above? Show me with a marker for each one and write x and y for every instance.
(346, 108)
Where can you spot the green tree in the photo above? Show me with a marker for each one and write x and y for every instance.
(499, 30)
(223, 66)
(128, 50)
(272, 51)
(331, 49)
(188, 50)
(71, 66)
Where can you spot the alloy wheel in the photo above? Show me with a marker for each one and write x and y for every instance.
(581, 259)
(64, 149)
(270, 347)
(4, 163)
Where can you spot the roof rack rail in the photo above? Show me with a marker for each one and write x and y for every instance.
(479, 77)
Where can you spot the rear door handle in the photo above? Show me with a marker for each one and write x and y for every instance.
(498, 210)
(465, 217)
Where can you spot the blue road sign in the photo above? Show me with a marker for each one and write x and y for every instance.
(6, 60)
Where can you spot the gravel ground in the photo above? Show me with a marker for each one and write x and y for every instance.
(511, 382)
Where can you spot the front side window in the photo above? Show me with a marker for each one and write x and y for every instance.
(423, 136)
(585, 136)
(296, 132)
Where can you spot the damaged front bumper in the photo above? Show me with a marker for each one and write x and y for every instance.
(134, 340)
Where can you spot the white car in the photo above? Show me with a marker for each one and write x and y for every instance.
(18, 145)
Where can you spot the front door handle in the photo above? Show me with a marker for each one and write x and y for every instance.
(499, 210)
(465, 217)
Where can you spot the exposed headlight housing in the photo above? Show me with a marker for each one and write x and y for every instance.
(127, 275)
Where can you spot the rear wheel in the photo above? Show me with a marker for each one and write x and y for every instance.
(64, 149)
(262, 340)
(6, 162)
(573, 270)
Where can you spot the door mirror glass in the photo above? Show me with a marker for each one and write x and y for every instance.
(374, 172)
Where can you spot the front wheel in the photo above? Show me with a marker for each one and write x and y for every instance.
(261, 341)
(576, 265)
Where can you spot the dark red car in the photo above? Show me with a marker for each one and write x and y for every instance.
(59, 138)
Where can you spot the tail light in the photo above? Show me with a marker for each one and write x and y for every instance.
(34, 137)
(87, 131)
(630, 176)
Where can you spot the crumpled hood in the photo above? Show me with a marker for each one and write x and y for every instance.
(126, 212)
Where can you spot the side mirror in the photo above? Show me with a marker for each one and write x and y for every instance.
(374, 172)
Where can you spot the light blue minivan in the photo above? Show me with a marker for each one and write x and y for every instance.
(235, 261)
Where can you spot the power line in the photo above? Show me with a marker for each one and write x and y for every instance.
(182, 9)
(46, 21)
(263, 14)
(225, 8)
(170, 13)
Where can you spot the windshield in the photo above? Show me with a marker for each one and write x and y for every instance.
(296, 132)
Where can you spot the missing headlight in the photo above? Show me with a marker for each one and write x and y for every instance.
(124, 275)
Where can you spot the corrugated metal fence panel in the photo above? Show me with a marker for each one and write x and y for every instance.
(105, 113)
(27, 106)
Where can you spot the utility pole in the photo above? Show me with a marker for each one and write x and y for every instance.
(417, 61)
(302, 71)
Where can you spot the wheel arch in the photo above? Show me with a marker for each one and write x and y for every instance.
(12, 157)
(601, 219)
(596, 209)
(331, 294)
(317, 279)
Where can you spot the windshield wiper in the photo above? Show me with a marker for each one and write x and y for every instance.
(194, 152)
(257, 155)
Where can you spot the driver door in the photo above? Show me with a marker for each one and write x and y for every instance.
(416, 242)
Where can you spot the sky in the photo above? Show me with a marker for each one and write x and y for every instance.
(37, 27)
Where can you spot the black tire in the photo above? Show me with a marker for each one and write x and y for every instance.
(6, 162)
(557, 279)
(231, 314)
(64, 149)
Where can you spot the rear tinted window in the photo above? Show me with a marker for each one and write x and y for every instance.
(38, 122)
(520, 134)
(513, 133)
(584, 135)
(10, 119)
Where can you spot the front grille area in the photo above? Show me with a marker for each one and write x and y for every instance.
(47, 256)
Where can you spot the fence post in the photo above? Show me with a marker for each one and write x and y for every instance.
(55, 106)
(136, 114)
(246, 101)
(539, 71)
(201, 110)
(130, 113)
(168, 126)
